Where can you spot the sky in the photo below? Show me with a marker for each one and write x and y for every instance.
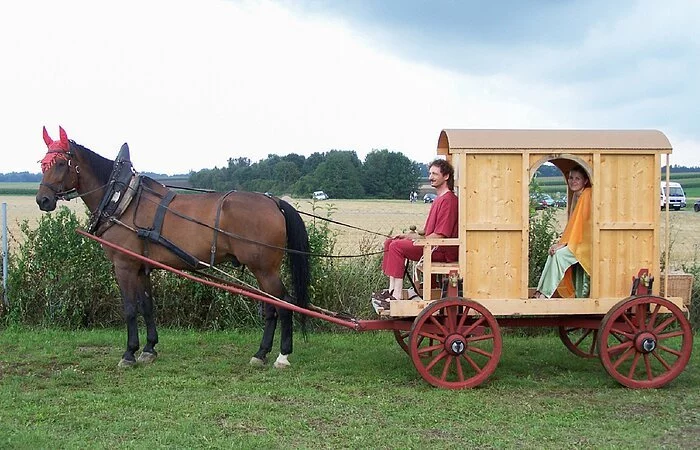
(190, 84)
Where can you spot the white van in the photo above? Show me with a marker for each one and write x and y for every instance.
(676, 195)
(319, 195)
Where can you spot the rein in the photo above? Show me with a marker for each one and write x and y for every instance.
(344, 224)
(239, 237)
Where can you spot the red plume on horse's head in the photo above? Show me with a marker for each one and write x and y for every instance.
(56, 148)
(61, 145)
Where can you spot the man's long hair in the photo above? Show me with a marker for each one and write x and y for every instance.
(445, 169)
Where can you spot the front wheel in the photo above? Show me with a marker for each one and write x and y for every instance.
(455, 343)
(645, 342)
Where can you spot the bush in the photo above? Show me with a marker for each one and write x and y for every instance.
(61, 278)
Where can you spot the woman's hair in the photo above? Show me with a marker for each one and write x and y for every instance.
(445, 169)
(578, 168)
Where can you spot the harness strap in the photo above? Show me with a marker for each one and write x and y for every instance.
(219, 206)
(154, 234)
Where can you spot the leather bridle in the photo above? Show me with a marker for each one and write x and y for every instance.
(59, 190)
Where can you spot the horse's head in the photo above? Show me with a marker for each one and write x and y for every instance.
(60, 173)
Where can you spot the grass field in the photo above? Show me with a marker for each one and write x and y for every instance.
(344, 390)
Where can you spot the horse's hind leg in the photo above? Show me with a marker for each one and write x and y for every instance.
(286, 340)
(149, 353)
(270, 317)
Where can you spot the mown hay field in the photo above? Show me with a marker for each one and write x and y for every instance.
(377, 217)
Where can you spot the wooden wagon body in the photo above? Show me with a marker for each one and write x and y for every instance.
(493, 173)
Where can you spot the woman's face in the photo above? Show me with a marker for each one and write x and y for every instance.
(577, 181)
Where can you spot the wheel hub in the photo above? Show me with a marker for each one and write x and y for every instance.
(645, 342)
(455, 345)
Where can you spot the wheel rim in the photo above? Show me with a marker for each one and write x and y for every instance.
(455, 343)
(402, 339)
(582, 342)
(645, 342)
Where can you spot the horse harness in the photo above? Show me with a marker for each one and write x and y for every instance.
(123, 187)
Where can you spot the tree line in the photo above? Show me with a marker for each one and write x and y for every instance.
(340, 174)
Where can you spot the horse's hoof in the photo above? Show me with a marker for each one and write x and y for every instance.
(282, 362)
(126, 364)
(146, 358)
(257, 362)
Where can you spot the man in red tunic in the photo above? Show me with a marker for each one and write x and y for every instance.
(441, 223)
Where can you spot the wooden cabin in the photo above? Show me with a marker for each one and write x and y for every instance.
(493, 169)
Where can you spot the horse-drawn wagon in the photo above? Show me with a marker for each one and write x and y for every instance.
(453, 336)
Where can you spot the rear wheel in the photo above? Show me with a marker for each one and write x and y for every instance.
(645, 342)
(581, 342)
(455, 343)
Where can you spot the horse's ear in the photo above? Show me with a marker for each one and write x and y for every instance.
(64, 137)
(47, 138)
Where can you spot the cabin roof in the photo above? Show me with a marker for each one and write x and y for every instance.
(472, 139)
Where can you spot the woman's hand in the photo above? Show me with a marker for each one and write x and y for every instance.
(556, 247)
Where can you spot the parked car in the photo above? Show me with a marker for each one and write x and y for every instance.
(319, 195)
(560, 202)
(696, 206)
(541, 201)
(429, 198)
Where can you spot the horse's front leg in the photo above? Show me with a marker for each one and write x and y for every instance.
(129, 283)
(149, 354)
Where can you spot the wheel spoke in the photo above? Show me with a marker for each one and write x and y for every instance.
(471, 328)
(623, 357)
(617, 348)
(633, 366)
(480, 351)
(446, 367)
(670, 350)
(647, 366)
(583, 336)
(654, 314)
(629, 322)
(434, 320)
(661, 327)
(479, 338)
(463, 319)
(429, 349)
(460, 371)
(622, 333)
(472, 363)
(436, 360)
(435, 337)
(663, 362)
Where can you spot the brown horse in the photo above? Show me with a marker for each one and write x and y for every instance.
(181, 231)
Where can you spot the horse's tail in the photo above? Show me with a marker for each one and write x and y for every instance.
(298, 241)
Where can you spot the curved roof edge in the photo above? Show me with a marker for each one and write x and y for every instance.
(552, 139)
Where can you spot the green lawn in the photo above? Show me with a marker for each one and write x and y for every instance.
(346, 390)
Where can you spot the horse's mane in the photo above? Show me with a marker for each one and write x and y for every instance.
(101, 166)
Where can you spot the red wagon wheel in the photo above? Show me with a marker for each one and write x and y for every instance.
(645, 342)
(402, 339)
(582, 342)
(455, 343)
